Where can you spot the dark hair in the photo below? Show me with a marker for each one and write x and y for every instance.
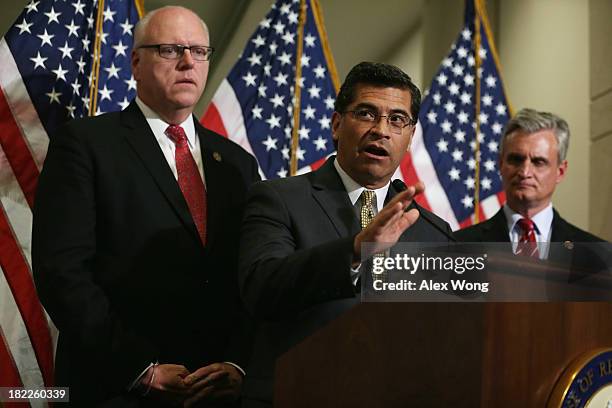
(377, 74)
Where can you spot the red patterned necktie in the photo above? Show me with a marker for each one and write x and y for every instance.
(189, 179)
(527, 245)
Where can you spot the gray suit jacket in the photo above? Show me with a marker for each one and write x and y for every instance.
(294, 269)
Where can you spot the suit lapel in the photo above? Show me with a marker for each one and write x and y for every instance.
(331, 195)
(143, 141)
(561, 229)
(218, 190)
(496, 229)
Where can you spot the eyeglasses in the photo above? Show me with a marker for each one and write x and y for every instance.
(397, 121)
(176, 51)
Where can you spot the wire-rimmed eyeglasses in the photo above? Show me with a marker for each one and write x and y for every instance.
(397, 121)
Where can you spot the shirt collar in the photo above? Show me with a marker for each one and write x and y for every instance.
(159, 126)
(355, 189)
(542, 220)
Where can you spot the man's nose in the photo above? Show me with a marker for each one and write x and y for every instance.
(526, 168)
(187, 59)
(382, 127)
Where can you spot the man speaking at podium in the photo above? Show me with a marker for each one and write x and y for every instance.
(135, 236)
(532, 161)
(301, 237)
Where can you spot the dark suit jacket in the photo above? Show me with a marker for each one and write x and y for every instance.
(566, 263)
(118, 262)
(495, 229)
(296, 253)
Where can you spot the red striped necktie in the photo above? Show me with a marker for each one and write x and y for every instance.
(189, 179)
(527, 245)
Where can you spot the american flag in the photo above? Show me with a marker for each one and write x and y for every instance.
(60, 60)
(254, 105)
(458, 165)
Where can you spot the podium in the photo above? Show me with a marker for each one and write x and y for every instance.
(441, 355)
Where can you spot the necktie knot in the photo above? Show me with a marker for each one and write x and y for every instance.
(527, 241)
(367, 197)
(177, 134)
(526, 225)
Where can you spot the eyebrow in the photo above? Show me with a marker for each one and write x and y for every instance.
(521, 156)
(374, 107)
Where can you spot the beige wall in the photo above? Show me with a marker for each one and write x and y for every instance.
(409, 56)
(544, 51)
(10, 11)
(600, 17)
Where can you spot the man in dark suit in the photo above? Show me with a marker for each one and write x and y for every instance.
(532, 161)
(135, 236)
(301, 238)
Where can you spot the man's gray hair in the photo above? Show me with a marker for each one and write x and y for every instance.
(141, 27)
(531, 121)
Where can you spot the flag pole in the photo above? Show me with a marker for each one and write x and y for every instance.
(293, 165)
(329, 58)
(95, 69)
(477, 43)
(481, 9)
(140, 7)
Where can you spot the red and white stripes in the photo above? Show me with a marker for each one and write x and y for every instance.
(27, 336)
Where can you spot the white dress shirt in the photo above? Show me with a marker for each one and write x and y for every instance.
(542, 223)
(168, 148)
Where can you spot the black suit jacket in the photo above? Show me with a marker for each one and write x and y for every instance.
(495, 229)
(569, 263)
(296, 254)
(118, 262)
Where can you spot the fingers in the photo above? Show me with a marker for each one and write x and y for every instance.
(215, 382)
(220, 382)
(203, 372)
(386, 228)
(404, 198)
(212, 379)
(408, 218)
(169, 377)
(419, 187)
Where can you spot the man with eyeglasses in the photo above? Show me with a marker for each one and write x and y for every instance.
(135, 232)
(301, 238)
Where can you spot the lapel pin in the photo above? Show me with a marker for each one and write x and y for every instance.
(217, 156)
(568, 245)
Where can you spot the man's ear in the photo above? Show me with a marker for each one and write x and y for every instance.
(336, 117)
(134, 64)
(561, 170)
(410, 137)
